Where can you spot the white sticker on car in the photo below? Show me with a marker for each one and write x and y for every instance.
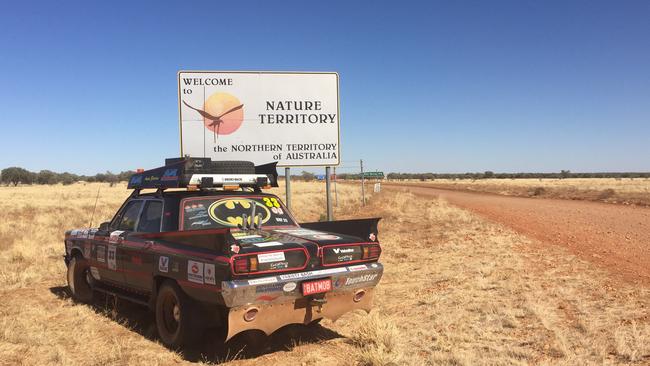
(289, 286)
(357, 268)
(270, 257)
(238, 236)
(87, 251)
(208, 274)
(95, 273)
(112, 257)
(101, 253)
(163, 264)
(195, 271)
(360, 279)
(261, 281)
(293, 276)
(299, 232)
(268, 244)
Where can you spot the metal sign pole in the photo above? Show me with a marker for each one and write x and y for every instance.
(327, 193)
(287, 182)
(363, 185)
(336, 194)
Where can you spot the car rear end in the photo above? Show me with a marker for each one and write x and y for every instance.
(300, 283)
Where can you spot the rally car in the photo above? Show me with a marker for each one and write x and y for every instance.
(207, 248)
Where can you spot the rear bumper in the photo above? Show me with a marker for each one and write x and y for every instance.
(278, 300)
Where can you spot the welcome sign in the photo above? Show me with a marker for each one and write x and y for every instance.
(288, 117)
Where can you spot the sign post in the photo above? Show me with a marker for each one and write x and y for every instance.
(328, 180)
(363, 184)
(287, 182)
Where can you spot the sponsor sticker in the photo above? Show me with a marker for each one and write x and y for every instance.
(115, 236)
(268, 244)
(101, 253)
(343, 250)
(195, 271)
(241, 236)
(208, 274)
(273, 287)
(293, 276)
(270, 257)
(87, 251)
(74, 232)
(95, 273)
(360, 267)
(300, 232)
(112, 257)
(289, 286)
(261, 281)
(91, 234)
(326, 237)
(84, 234)
(360, 279)
(279, 265)
(163, 264)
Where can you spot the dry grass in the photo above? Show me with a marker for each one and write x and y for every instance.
(612, 190)
(456, 290)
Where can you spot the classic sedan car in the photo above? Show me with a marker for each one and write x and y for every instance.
(207, 248)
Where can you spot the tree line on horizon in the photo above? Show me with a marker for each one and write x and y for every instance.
(17, 175)
(489, 174)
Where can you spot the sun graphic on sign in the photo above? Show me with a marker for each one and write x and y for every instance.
(222, 113)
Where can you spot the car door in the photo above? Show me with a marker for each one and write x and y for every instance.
(139, 266)
(119, 252)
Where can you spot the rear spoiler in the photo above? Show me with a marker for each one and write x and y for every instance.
(365, 229)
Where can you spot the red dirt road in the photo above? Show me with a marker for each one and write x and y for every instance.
(615, 237)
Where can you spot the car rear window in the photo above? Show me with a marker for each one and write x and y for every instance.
(227, 212)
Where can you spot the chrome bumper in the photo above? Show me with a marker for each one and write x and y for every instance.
(278, 300)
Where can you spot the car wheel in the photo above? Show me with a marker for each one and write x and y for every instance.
(176, 318)
(79, 280)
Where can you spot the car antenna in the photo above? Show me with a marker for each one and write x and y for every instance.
(94, 208)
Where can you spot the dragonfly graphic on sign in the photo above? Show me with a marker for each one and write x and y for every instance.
(216, 103)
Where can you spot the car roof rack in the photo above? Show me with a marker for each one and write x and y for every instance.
(203, 173)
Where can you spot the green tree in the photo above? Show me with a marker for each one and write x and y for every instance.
(15, 175)
(47, 177)
(307, 176)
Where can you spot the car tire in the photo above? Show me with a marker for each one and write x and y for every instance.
(79, 280)
(177, 316)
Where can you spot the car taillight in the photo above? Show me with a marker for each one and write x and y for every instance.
(242, 265)
(371, 251)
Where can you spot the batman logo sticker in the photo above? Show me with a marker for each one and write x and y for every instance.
(228, 212)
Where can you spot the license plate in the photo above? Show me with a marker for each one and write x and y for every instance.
(316, 287)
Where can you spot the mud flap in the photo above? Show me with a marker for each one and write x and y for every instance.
(271, 317)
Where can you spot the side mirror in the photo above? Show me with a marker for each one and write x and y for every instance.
(104, 226)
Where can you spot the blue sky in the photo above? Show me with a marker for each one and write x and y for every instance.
(425, 86)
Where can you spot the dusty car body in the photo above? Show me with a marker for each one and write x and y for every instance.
(223, 254)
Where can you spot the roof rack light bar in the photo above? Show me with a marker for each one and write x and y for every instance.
(204, 173)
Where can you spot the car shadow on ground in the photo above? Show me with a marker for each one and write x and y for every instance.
(211, 348)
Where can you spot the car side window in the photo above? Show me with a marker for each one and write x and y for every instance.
(150, 217)
(130, 216)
